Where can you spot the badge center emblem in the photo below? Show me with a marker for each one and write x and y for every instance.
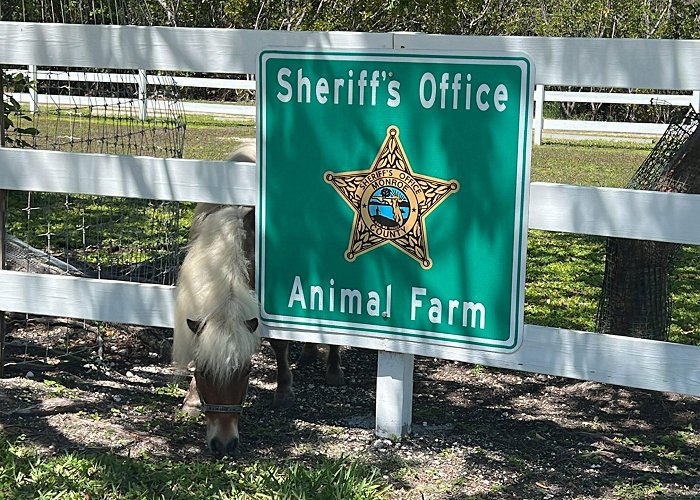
(390, 202)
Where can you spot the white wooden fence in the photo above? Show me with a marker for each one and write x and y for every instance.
(625, 361)
(539, 124)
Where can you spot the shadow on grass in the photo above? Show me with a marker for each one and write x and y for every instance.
(525, 435)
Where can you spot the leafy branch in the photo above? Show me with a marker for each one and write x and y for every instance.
(12, 112)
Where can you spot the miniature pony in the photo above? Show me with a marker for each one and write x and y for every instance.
(216, 320)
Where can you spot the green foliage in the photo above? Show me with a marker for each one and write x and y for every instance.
(13, 114)
(173, 390)
(638, 490)
(599, 18)
(581, 18)
(59, 390)
(80, 12)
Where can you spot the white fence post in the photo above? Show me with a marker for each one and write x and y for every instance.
(539, 114)
(695, 101)
(394, 394)
(33, 80)
(143, 95)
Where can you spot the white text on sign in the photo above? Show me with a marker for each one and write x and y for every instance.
(378, 303)
(456, 91)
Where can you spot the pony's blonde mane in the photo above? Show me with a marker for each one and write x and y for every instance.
(213, 289)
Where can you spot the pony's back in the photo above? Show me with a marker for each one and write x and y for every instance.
(245, 153)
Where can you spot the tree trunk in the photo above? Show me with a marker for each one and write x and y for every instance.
(636, 297)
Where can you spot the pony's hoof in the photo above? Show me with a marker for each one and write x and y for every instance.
(335, 378)
(283, 400)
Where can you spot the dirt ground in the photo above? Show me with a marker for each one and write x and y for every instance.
(478, 431)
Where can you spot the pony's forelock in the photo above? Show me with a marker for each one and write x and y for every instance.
(225, 345)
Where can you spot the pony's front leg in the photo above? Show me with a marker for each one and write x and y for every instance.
(284, 394)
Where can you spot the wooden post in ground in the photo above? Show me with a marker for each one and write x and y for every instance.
(3, 206)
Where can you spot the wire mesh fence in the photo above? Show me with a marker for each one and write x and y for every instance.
(97, 111)
(91, 111)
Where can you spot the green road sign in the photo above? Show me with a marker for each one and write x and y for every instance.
(393, 194)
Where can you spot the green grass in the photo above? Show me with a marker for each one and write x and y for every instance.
(26, 474)
(638, 490)
(206, 137)
(59, 390)
(210, 139)
(170, 390)
(588, 163)
(563, 279)
(139, 226)
(675, 449)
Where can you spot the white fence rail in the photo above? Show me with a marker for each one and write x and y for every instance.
(602, 211)
(142, 79)
(540, 124)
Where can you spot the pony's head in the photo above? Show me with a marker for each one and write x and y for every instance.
(222, 392)
(216, 319)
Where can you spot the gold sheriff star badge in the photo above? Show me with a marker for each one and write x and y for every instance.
(390, 202)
